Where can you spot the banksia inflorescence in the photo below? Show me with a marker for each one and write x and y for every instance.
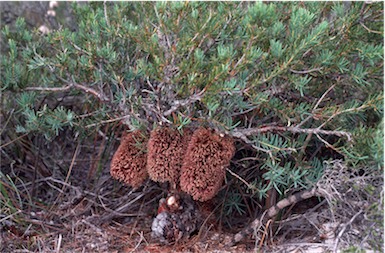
(129, 161)
(196, 161)
(204, 167)
(166, 149)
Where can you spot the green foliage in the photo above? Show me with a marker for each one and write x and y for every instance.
(227, 65)
(368, 147)
(233, 204)
(49, 121)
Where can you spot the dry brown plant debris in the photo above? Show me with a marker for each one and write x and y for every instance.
(353, 215)
(129, 161)
(207, 156)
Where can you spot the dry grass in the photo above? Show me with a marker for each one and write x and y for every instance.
(61, 198)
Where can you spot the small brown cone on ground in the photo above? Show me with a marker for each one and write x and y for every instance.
(129, 161)
(166, 148)
(178, 217)
(204, 167)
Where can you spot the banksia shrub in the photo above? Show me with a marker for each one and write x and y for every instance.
(296, 84)
(166, 149)
(129, 161)
(203, 170)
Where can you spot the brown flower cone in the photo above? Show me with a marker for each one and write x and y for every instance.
(166, 148)
(129, 161)
(204, 167)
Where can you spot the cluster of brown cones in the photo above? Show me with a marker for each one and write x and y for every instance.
(195, 160)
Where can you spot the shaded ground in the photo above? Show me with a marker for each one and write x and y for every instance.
(78, 223)
(64, 200)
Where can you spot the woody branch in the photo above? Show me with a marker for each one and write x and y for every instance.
(294, 129)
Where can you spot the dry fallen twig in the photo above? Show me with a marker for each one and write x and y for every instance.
(347, 197)
(273, 211)
(338, 238)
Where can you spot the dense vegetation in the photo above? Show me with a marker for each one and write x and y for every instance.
(296, 84)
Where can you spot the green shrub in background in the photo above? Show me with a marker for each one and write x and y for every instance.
(296, 84)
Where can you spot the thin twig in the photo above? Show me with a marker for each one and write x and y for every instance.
(107, 121)
(68, 175)
(294, 129)
(323, 96)
(70, 85)
(102, 97)
(59, 240)
(264, 233)
(247, 141)
(141, 239)
(305, 71)
(4, 126)
(105, 13)
(16, 139)
(343, 230)
(308, 138)
(180, 103)
(370, 30)
(326, 143)
(354, 109)
(10, 216)
(64, 88)
(249, 186)
(79, 49)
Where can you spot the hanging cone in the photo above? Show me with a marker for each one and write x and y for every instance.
(166, 148)
(129, 161)
(204, 166)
